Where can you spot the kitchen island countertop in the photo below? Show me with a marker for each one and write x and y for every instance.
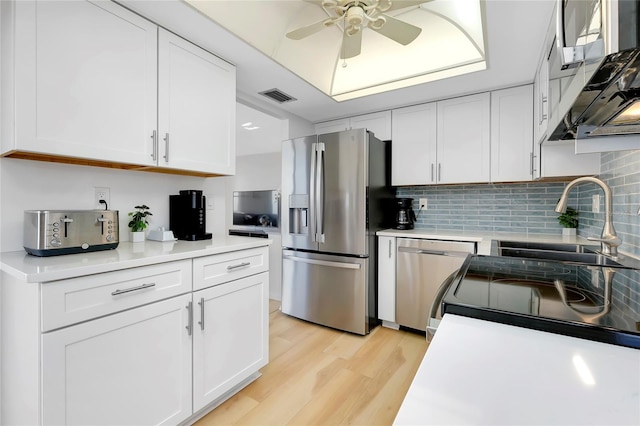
(482, 372)
(29, 268)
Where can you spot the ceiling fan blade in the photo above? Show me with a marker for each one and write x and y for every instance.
(303, 32)
(399, 4)
(351, 44)
(398, 31)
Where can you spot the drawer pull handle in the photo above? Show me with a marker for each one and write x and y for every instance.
(240, 265)
(128, 290)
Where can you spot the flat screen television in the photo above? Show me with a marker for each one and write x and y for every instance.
(256, 208)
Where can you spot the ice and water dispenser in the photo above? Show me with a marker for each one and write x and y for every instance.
(298, 214)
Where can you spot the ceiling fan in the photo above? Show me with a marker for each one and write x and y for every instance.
(358, 14)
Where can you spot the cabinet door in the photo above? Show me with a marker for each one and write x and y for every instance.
(512, 134)
(85, 81)
(332, 126)
(463, 139)
(129, 368)
(379, 123)
(231, 336)
(196, 108)
(387, 278)
(413, 145)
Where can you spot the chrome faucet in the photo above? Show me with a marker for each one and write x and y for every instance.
(609, 239)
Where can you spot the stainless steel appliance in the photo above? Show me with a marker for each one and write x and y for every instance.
(187, 215)
(593, 66)
(55, 232)
(335, 196)
(405, 216)
(422, 266)
(579, 300)
(256, 209)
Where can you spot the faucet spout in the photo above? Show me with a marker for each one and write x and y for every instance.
(609, 239)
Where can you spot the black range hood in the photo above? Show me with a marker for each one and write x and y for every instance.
(608, 103)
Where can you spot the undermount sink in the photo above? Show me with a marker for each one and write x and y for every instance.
(574, 253)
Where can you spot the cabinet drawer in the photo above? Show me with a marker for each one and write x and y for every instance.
(213, 270)
(79, 299)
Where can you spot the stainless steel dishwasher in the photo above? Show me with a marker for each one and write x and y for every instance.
(422, 266)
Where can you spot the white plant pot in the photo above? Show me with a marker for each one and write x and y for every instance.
(569, 232)
(137, 237)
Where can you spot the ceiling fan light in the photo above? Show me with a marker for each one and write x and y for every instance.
(355, 16)
(378, 23)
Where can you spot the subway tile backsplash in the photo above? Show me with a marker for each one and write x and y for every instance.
(621, 171)
(526, 208)
(529, 207)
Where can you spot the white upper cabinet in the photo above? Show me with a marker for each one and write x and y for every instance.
(512, 134)
(442, 142)
(85, 77)
(96, 82)
(332, 126)
(413, 145)
(196, 108)
(378, 122)
(463, 143)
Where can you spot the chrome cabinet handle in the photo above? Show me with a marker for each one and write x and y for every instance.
(166, 147)
(129, 290)
(154, 148)
(201, 322)
(389, 249)
(189, 326)
(531, 163)
(240, 265)
(439, 172)
(431, 172)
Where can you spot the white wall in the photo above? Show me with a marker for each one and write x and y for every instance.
(35, 185)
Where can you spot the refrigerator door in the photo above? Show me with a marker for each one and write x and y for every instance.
(298, 160)
(342, 170)
(325, 289)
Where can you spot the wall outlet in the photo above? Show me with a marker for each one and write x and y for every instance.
(101, 193)
(423, 203)
(595, 203)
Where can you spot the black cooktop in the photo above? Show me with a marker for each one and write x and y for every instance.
(591, 302)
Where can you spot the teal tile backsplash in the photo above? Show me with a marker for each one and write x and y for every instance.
(529, 207)
(526, 207)
(621, 171)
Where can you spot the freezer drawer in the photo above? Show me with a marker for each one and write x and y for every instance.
(327, 290)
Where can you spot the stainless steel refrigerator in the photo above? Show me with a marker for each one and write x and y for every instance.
(336, 194)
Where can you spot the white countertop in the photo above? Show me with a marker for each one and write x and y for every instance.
(30, 268)
(482, 238)
(478, 372)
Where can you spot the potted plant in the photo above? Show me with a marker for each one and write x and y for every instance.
(569, 221)
(139, 222)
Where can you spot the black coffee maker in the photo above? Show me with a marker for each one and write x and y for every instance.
(187, 215)
(405, 217)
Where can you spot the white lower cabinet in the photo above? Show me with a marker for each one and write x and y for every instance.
(230, 337)
(387, 279)
(135, 346)
(130, 368)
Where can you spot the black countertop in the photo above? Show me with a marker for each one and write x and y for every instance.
(591, 302)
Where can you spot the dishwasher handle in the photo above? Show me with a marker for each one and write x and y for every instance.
(434, 252)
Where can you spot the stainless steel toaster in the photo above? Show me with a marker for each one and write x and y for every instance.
(55, 232)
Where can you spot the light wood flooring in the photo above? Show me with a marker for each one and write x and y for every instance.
(320, 376)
